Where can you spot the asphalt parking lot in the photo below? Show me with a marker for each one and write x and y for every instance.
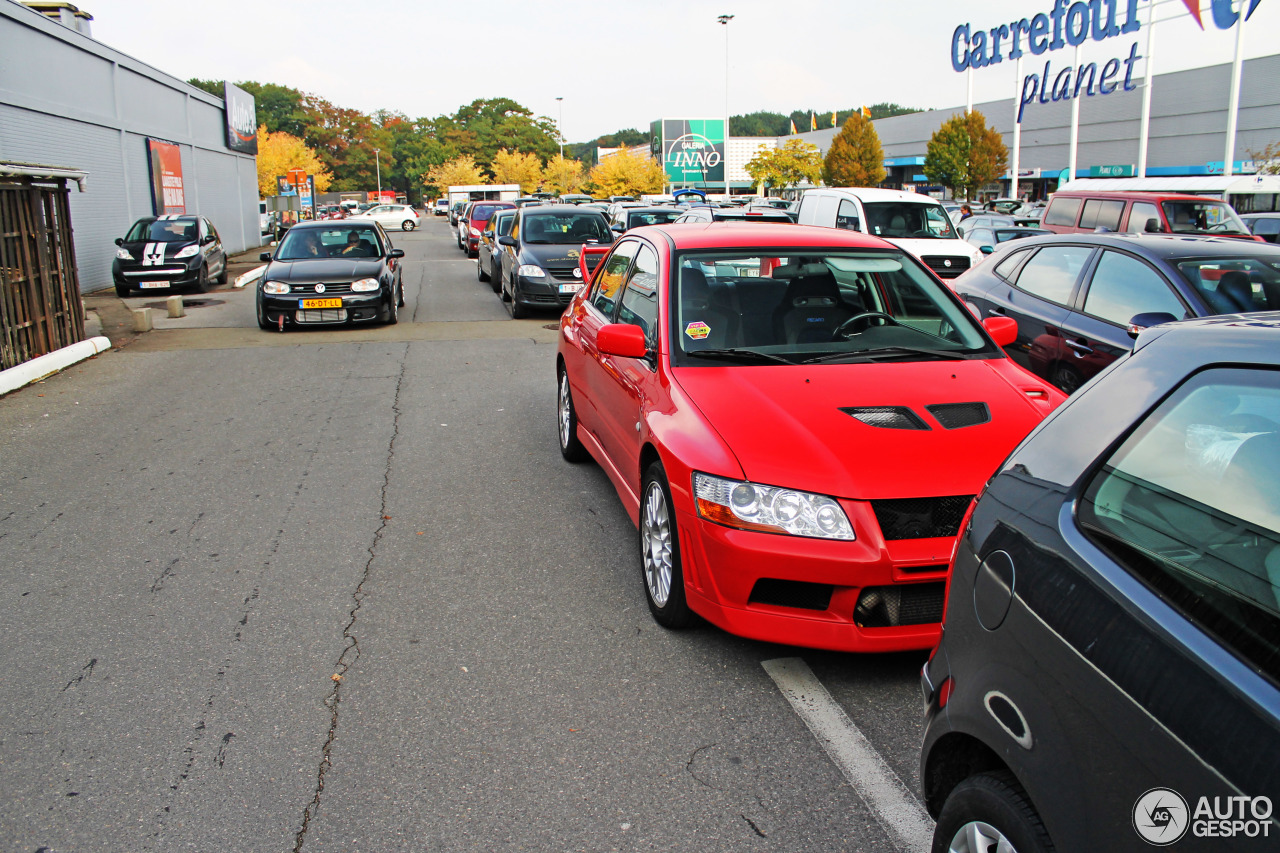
(337, 590)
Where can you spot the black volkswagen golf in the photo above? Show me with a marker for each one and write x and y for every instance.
(539, 260)
(1109, 673)
(177, 252)
(331, 273)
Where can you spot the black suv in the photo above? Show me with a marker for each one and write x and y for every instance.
(1109, 673)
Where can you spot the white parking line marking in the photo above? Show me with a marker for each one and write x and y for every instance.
(893, 804)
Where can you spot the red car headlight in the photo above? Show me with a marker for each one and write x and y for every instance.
(751, 506)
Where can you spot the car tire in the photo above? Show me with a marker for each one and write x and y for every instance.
(986, 810)
(514, 308)
(122, 290)
(393, 311)
(567, 422)
(263, 322)
(407, 225)
(401, 301)
(222, 276)
(202, 279)
(481, 275)
(660, 567)
(1067, 378)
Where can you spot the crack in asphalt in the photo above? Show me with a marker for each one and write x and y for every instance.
(351, 650)
(694, 757)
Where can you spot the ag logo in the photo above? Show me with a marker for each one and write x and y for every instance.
(1160, 816)
(572, 253)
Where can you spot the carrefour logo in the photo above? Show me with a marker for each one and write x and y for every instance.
(693, 152)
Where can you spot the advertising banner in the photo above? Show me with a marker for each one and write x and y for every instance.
(693, 150)
(167, 194)
(242, 119)
(309, 194)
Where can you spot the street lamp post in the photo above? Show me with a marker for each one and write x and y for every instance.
(377, 162)
(560, 126)
(724, 20)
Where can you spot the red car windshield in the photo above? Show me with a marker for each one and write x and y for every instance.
(816, 306)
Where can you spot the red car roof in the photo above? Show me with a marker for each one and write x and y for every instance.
(741, 235)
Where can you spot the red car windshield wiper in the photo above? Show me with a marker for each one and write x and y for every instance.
(882, 352)
(738, 354)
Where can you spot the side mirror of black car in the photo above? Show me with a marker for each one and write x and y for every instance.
(1147, 320)
(265, 256)
(507, 240)
(206, 239)
(119, 241)
(986, 250)
(396, 253)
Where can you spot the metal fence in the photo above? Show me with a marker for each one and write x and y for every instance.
(40, 307)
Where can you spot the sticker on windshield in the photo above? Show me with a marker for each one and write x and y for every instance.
(697, 330)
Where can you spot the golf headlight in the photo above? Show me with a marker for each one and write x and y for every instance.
(364, 285)
(475, 232)
(751, 506)
(275, 287)
(189, 252)
(530, 271)
(123, 254)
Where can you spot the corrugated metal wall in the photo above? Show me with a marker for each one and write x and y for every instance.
(92, 108)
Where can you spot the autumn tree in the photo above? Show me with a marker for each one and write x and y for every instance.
(1268, 159)
(787, 165)
(280, 152)
(625, 173)
(460, 171)
(514, 167)
(965, 153)
(563, 175)
(855, 158)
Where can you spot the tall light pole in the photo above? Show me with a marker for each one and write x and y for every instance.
(725, 19)
(377, 162)
(560, 126)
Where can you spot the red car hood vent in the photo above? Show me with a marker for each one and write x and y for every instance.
(886, 417)
(957, 415)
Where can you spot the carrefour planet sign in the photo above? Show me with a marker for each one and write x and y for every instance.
(1069, 24)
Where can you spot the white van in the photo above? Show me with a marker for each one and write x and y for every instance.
(911, 221)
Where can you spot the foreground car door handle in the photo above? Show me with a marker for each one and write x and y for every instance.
(1080, 347)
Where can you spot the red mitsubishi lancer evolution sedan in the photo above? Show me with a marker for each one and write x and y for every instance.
(796, 419)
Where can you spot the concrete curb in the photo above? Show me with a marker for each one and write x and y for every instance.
(50, 363)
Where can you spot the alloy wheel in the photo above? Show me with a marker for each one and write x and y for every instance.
(565, 413)
(655, 540)
(979, 837)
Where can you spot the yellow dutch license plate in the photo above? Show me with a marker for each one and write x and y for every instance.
(322, 303)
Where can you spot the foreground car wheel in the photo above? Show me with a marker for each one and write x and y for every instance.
(567, 422)
(263, 322)
(481, 275)
(517, 311)
(408, 225)
(122, 290)
(392, 315)
(202, 280)
(990, 812)
(660, 552)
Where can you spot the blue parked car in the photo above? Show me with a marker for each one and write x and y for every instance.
(1109, 672)
(1075, 296)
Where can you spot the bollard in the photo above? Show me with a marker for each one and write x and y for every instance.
(177, 307)
(142, 319)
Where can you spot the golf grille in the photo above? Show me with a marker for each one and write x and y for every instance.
(920, 518)
(956, 415)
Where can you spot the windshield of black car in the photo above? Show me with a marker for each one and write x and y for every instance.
(164, 231)
(1214, 217)
(1245, 282)
(814, 303)
(308, 244)
(569, 227)
(906, 219)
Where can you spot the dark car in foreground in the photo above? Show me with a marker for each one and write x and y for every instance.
(1109, 672)
(169, 252)
(539, 261)
(329, 273)
(1075, 296)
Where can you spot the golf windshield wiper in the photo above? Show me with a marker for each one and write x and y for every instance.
(874, 354)
(738, 354)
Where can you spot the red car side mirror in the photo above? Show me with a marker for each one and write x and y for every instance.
(1003, 330)
(622, 339)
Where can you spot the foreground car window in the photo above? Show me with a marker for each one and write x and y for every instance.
(817, 306)
(1190, 504)
(1232, 285)
(310, 243)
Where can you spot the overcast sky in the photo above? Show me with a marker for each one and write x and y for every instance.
(620, 64)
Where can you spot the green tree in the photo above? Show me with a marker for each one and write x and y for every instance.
(855, 158)
(213, 87)
(787, 165)
(965, 153)
(279, 107)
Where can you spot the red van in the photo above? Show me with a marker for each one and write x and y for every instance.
(1082, 212)
(475, 218)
